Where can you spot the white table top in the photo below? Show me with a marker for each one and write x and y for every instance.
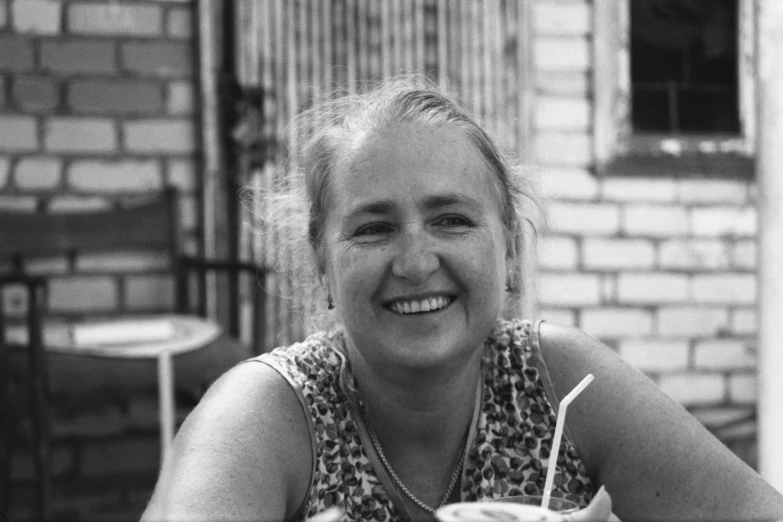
(132, 338)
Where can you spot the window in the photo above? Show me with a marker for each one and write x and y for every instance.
(674, 87)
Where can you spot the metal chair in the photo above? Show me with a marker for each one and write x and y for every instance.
(145, 224)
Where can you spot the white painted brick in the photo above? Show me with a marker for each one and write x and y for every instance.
(724, 221)
(38, 173)
(19, 133)
(744, 254)
(566, 183)
(180, 98)
(561, 18)
(655, 355)
(162, 136)
(557, 252)
(65, 134)
(559, 316)
(584, 218)
(562, 83)
(723, 354)
(694, 254)
(655, 220)
(743, 321)
(712, 191)
(562, 53)
(694, 388)
(122, 261)
(753, 192)
(5, 170)
(565, 289)
(149, 292)
(616, 322)
(37, 16)
(743, 388)
(47, 265)
(613, 253)
(18, 203)
(562, 113)
(651, 288)
(182, 174)
(570, 149)
(115, 19)
(70, 203)
(692, 321)
(180, 23)
(725, 288)
(115, 176)
(656, 190)
(609, 288)
(82, 294)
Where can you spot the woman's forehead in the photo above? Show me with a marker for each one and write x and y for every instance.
(413, 157)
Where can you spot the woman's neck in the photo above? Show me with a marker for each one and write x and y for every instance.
(424, 408)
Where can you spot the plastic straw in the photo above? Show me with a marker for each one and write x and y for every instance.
(553, 454)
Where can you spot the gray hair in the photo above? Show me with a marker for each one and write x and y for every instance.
(322, 134)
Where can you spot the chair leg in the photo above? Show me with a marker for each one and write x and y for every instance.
(38, 382)
(6, 437)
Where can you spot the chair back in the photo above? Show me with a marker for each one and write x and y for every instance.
(149, 223)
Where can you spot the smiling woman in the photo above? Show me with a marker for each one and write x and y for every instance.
(422, 388)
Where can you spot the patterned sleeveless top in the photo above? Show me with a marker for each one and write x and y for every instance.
(508, 445)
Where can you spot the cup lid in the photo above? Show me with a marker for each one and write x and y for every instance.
(495, 512)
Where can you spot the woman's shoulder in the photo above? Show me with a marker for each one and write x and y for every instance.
(249, 432)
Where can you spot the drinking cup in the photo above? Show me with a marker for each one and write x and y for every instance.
(557, 504)
(496, 512)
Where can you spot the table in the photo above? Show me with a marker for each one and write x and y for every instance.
(157, 337)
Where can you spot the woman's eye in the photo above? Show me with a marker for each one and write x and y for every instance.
(453, 221)
(373, 229)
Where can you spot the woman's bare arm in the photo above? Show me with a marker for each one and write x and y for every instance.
(655, 459)
(242, 454)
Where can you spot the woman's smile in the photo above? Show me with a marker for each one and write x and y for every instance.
(422, 305)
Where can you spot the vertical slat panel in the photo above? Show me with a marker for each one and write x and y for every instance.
(397, 38)
(407, 44)
(386, 65)
(443, 41)
(350, 32)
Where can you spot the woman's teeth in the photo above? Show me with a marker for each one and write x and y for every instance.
(424, 305)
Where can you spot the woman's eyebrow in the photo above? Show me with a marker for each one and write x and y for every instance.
(382, 206)
(386, 206)
(445, 200)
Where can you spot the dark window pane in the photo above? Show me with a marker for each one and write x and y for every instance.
(651, 110)
(686, 51)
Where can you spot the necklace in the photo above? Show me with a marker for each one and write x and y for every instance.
(377, 445)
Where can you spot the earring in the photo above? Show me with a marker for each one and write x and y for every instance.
(329, 303)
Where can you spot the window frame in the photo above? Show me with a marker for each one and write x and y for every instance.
(620, 151)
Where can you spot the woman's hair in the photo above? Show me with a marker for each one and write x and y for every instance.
(294, 210)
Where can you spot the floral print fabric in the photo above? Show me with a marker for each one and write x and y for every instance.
(507, 455)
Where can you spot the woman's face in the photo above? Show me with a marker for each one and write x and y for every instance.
(414, 248)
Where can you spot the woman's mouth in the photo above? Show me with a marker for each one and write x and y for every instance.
(418, 306)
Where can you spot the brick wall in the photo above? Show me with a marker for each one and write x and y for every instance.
(98, 102)
(661, 269)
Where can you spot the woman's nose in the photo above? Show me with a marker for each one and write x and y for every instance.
(416, 259)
